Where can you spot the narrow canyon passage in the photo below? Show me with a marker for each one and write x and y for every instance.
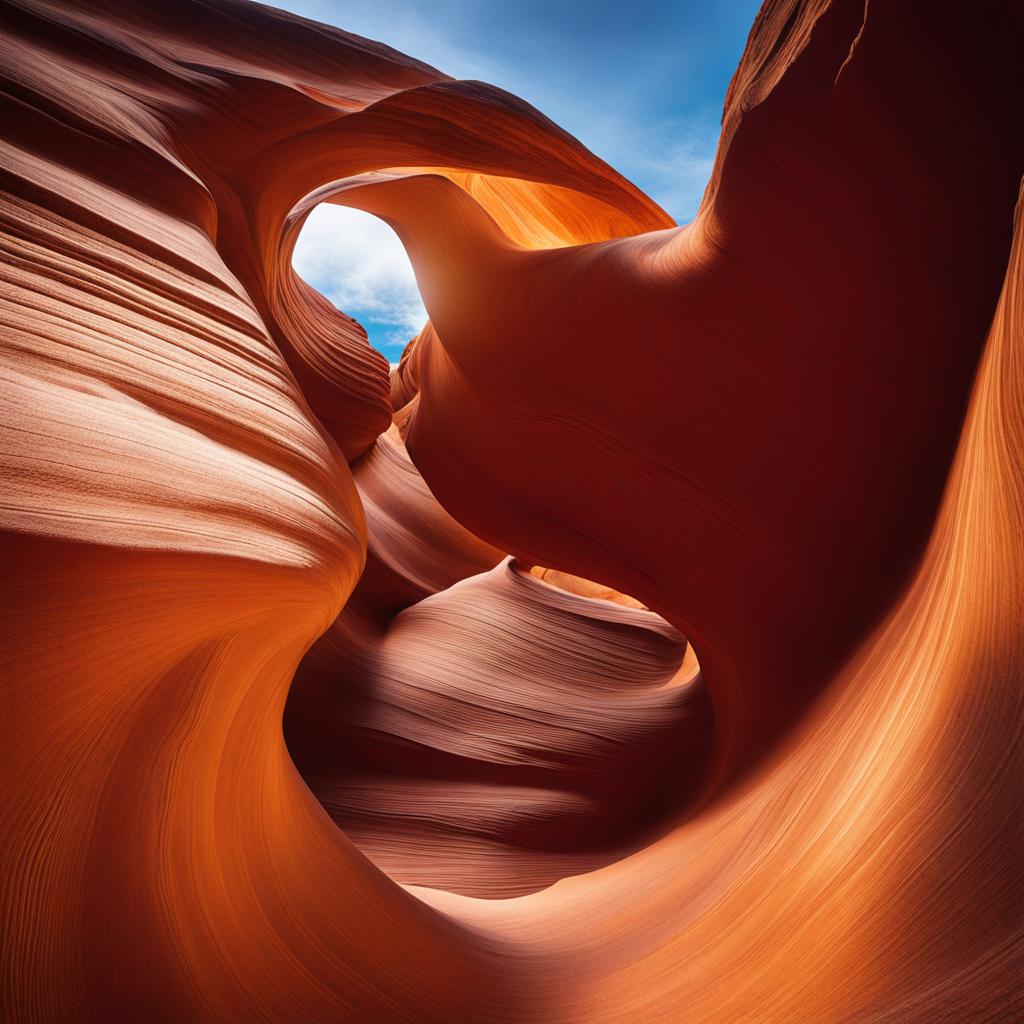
(472, 724)
(645, 645)
(474, 728)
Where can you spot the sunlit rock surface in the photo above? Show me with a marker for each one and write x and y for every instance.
(652, 634)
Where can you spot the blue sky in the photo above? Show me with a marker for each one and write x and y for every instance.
(641, 83)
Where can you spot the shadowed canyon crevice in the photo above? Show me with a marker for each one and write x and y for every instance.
(646, 646)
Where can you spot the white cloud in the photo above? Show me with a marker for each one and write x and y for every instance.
(357, 261)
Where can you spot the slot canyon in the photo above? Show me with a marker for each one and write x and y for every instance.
(645, 646)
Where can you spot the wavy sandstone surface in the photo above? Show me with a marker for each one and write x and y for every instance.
(647, 646)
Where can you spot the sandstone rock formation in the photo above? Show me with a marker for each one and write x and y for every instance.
(653, 635)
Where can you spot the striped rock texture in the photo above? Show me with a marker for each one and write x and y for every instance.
(647, 646)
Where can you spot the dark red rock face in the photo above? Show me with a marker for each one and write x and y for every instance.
(313, 709)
